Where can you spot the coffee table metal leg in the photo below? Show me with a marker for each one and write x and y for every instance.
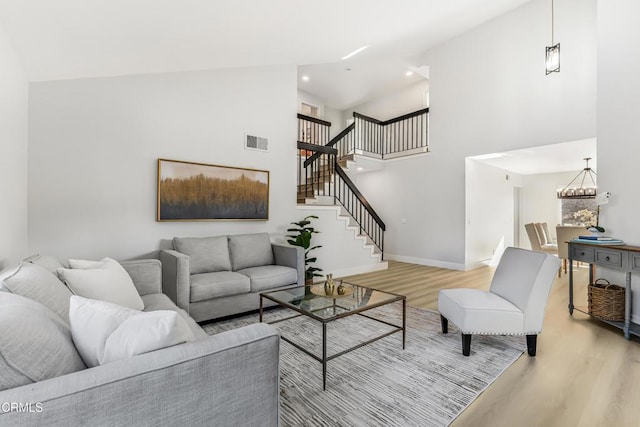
(324, 356)
(261, 308)
(404, 322)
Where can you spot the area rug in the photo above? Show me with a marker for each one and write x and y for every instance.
(428, 384)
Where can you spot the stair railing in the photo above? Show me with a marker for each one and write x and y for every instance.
(316, 165)
(359, 208)
(313, 130)
(383, 138)
(319, 174)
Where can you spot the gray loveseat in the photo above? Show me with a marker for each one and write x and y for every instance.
(231, 378)
(213, 277)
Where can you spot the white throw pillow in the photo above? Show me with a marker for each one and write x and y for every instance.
(104, 280)
(104, 332)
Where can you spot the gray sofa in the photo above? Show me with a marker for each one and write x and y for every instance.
(213, 277)
(231, 378)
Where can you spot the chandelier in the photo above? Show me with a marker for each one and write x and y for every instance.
(585, 191)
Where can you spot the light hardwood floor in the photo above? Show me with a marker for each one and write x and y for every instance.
(585, 372)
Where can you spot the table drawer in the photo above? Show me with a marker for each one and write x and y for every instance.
(635, 262)
(580, 253)
(609, 258)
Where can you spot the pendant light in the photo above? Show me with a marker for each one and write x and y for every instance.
(552, 53)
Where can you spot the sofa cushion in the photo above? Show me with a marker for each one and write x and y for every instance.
(153, 302)
(35, 344)
(35, 282)
(106, 332)
(270, 276)
(250, 250)
(206, 254)
(475, 311)
(206, 286)
(106, 280)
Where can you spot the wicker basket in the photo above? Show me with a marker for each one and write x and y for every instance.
(606, 301)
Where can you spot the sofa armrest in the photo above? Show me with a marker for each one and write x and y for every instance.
(146, 275)
(175, 277)
(290, 256)
(231, 378)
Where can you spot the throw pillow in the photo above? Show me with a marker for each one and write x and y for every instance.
(35, 282)
(105, 332)
(250, 250)
(206, 254)
(106, 280)
(48, 262)
(35, 344)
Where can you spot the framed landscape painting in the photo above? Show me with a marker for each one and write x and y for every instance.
(200, 192)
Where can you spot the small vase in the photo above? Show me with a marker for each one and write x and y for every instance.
(329, 285)
(341, 289)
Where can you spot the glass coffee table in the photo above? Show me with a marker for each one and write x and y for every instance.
(312, 302)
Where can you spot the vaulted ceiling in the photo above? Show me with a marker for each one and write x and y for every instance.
(67, 39)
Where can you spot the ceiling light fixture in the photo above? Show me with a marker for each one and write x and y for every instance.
(552, 53)
(305, 78)
(355, 52)
(582, 192)
(409, 73)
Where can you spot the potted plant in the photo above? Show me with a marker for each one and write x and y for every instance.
(302, 237)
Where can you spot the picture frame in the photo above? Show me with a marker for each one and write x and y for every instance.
(189, 191)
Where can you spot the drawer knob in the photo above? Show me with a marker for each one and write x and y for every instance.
(581, 253)
(607, 258)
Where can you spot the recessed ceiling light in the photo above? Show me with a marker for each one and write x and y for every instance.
(305, 78)
(359, 169)
(355, 52)
(409, 73)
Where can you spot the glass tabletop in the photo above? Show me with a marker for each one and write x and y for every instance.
(312, 301)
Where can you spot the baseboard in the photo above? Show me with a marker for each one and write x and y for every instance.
(352, 271)
(427, 262)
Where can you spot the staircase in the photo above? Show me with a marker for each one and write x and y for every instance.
(322, 179)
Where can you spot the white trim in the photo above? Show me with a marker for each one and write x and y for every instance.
(427, 262)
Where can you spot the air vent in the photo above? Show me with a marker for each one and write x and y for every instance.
(256, 143)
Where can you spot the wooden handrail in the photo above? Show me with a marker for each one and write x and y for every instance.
(360, 197)
(406, 116)
(341, 135)
(322, 149)
(314, 120)
(367, 118)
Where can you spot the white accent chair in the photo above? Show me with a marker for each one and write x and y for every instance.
(514, 305)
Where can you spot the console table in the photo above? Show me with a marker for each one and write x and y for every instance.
(617, 257)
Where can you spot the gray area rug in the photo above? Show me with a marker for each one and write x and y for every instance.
(428, 384)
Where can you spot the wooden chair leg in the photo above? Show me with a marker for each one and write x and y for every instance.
(466, 344)
(564, 261)
(531, 344)
(445, 324)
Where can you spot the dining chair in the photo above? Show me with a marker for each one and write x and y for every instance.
(536, 241)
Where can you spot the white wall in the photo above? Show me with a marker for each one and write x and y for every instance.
(540, 203)
(14, 92)
(406, 100)
(341, 254)
(618, 123)
(94, 144)
(490, 211)
(325, 113)
(488, 93)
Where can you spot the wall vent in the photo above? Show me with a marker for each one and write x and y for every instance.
(256, 143)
